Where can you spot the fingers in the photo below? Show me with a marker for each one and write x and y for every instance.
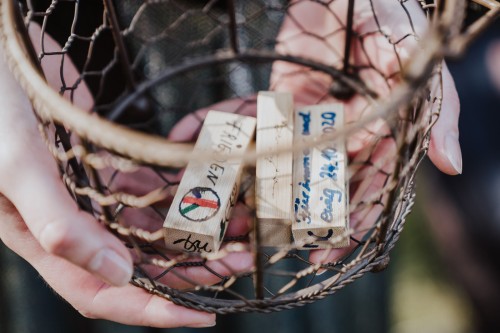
(371, 171)
(127, 305)
(236, 261)
(59, 69)
(241, 220)
(444, 149)
(55, 221)
(187, 129)
(203, 273)
(308, 31)
(31, 182)
(132, 306)
(61, 229)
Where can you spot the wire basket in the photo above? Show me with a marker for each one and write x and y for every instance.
(121, 89)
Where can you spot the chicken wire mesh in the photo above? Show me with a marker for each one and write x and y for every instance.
(156, 67)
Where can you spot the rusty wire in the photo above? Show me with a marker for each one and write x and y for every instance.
(151, 66)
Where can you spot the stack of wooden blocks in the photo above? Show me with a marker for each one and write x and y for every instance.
(301, 190)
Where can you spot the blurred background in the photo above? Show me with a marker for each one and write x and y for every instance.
(447, 273)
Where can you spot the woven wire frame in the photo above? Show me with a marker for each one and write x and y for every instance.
(153, 65)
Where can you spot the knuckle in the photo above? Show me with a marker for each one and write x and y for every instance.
(12, 227)
(56, 238)
(6, 207)
(87, 313)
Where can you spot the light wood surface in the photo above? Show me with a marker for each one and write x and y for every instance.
(200, 211)
(320, 192)
(274, 172)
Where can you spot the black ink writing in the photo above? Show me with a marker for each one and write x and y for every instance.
(301, 204)
(214, 172)
(193, 245)
(318, 238)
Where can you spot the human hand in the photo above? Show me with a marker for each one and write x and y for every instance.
(87, 293)
(70, 250)
(314, 30)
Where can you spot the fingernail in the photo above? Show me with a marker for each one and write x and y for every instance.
(453, 152)
(202, 325)
(111, 267)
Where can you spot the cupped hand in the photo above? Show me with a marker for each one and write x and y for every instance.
(316, 30)
(74, 253)
(386, 38)
(77, 256)
(87, 293)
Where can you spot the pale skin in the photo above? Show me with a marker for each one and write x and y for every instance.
(89, 267)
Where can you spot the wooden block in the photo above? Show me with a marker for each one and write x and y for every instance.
(200, 211)
(320, 191)
(273, 182)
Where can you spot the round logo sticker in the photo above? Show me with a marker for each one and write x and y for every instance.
(199, 204)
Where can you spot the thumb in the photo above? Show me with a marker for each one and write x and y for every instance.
(444, 149)
(61, 228)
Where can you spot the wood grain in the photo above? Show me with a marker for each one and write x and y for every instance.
(198, 217)
(320, 192)
(274, 172)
